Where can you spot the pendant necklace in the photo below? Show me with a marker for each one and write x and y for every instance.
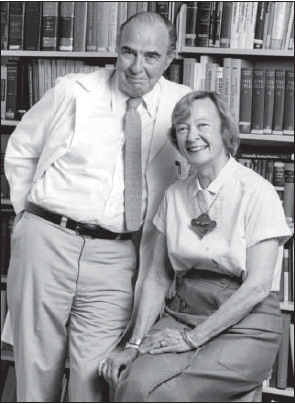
(203, 224)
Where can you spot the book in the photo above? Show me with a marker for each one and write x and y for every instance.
(131, 8)
(22, 91)
(16, 25)
(227, 65)
(191, 19)
(91, 26)
(250, 27)
(33, 19)
(291, 41)
(292, 344)
(215, 24)
(276, 40)
(49, 25)
(41, 77)
(9, 390)
(162, 7)
(3, 307)
(219, 80)
(113, 25)
(246, 100)
(288, 123)
(211, 76)
(279, 101)
(188, 72)
(175, 73)
(3, 90)
(225, 28)
(12, 84)
(243, 22)
(289, 28)
(289, 191)
(259, 25)
(80, 26)
(203, 23)
(66, 25)
(4, 24)
(286, 22)
(283, 353)
(258, 100)
(142, 6)
(268, 100)
(122, 13)
(102, 25)
(235, 25)
(268, 24)
(236, 67)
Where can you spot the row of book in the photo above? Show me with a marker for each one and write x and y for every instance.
(238, 24)
(261, 100)
(70, 25)
(286, 293)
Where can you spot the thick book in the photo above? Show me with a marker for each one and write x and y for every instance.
(16, 25)
(4, 24)
(227, 66)
(113, 26)
(246, 100)
(276, 40)
(259, 25)
(203, 23)
(283, 353)
(268, 100)
(288, 125)
(50, 25)
(236, 67)
(235, 25)
(12, 84)
(258, 100)
(102, 26)
(3, 90)
(33, 19)
(91, 26)
(279, 101)
(66, 25)
(80, 26)
(191, 20)
(226, 24)
(289, 192)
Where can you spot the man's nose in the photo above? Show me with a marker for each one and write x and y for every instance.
(136, 66)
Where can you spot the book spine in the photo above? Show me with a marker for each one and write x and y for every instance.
(142, 6)
(16, 25)
(11, 99)
(152, 6)
(191, 18)
(286, 22)
(219, 80)
(276, 41)
(203, 23)
(289, 192)
(22, 91)
(251, 26)
(50, 25)
(91, 30)
(162, 7)
(30, 83)
(279, 100)
(113, 21)
(35, 81)
(259, 26)
(60, 68)
(3, 90)
(271, 9)
(289, 28)
(283, 353)
(246, 100)
(3, 305)
(102, 26)
(243, 23)
(66, 26)
(215, 25)
(268, 100)
(227, 65)
(226, 24)
(33, 13)
(235, 26)
(80, 26)
(237, 64)
(258, 101)
(288, 125)
(41, 77)
(175, 73)
(4, 24)
(132, 8)
(122, 13)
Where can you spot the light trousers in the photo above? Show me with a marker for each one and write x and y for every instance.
(67, 295)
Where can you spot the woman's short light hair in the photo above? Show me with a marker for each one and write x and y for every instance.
(229, 129)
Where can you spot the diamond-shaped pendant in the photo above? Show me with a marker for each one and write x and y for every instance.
(203, 224)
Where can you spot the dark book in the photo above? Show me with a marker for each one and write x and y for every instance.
(152, 6)
(33, 19)
(191, 19)
(203, 23)
(246, 100)
(9, 390)
(3, 90)
(289, 192)
(4, 182)
(4, 24)
(288, 125)
(66, 25)
(91, 26)
(80, 26)
(50, 25)
(283, 353)
(16, 25)
(22, 91)
(259, 25)
(174, 73)
(3, 306)
(258, 101)
(215, 24)
(279, 101)
(5, 243)
(268, 100)
(162, 7)
(12, 84)
(226, 24)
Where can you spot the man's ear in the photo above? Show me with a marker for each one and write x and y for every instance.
(169, 58)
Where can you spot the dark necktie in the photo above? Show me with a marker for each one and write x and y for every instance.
(132, 165)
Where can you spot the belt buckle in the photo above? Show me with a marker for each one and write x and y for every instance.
(85, 228)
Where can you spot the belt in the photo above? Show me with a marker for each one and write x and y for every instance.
(82, 229)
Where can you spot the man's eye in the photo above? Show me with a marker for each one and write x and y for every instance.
(151, 58)
(127, 53)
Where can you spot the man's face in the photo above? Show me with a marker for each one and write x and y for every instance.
(142, 57)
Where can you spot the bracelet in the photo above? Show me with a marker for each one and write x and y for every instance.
(133, 343)
(129, 345)
(187, 338)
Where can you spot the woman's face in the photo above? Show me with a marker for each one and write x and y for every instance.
(199, 138)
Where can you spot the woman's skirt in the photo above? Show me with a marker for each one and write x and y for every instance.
(227, 367)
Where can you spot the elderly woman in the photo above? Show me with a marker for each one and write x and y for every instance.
(223, 229)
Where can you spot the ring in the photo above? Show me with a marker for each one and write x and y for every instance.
(163, 344)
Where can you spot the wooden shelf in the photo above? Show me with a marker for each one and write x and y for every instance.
(238, 52)
(57, 54)
(5, 201)
(8, 122)
(256, 139)
(288, 392)
(287, 306)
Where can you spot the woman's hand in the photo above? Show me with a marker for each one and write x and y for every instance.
(166, 340)
(111, 367)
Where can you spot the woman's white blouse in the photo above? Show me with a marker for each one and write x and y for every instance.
(246, 208)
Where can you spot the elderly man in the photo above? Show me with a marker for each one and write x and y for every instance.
(72, 164)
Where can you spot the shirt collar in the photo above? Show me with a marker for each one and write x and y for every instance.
(150, 100)
(216, 185)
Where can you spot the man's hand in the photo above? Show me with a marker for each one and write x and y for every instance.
(111, 367)
(166, 340)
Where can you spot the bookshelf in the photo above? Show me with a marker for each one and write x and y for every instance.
(264, 58)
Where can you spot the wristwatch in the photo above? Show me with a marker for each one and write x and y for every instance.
(134, 343)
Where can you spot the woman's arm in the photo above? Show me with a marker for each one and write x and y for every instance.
(260, 265)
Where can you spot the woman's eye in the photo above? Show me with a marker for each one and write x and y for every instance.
(181, 131)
